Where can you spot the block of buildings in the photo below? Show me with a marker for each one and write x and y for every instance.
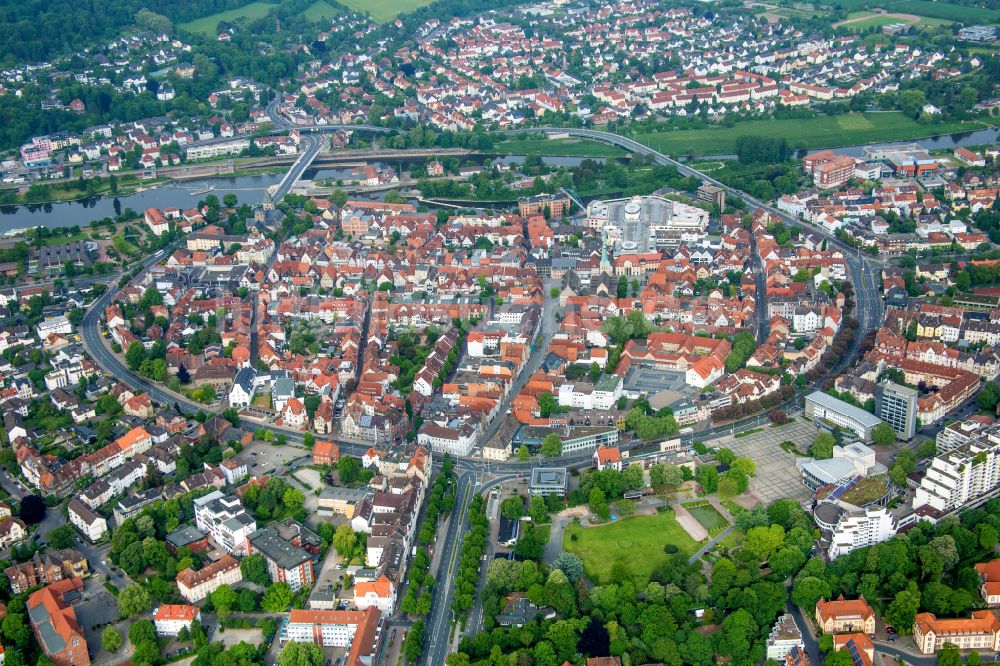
(286, 549)
(962, 474)
(359, 631)
(225, 519)
(46, 569)
(980, 631)
(196, 585)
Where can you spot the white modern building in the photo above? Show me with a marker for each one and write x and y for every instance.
(849, 461)
(50, 325)
(217, 149)
(846, 527)
(958, 476)
(583, 395)
(225, 519)
(822, 407)
(784, 636)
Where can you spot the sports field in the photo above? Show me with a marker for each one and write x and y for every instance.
(929, 8)
(385, 10)
(568, 147)
(811, 133)
(708, 516)
(601, 547)
(864, 20)
(207, 25)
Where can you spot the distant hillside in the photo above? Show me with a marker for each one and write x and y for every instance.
(35, 30)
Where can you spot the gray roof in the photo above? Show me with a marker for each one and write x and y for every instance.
(245, 378)
(184, 536)
(830, 470)
(866, 419)
(548, 476)
(51, 640)
(269, 543)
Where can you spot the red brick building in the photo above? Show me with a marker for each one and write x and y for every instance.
(54, 622)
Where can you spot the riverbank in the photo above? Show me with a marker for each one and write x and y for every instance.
(68, 191)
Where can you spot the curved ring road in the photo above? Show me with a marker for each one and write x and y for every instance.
(868, 307)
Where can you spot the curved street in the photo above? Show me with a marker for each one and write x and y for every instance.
(868, 309)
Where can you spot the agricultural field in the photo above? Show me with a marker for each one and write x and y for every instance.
(207, 25)
(602, 546)
(321, 10)
(567, 147)
(810, 133)
(384, 11)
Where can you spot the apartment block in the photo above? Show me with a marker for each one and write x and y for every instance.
(225, 519)
(196, 585)
(958, 476)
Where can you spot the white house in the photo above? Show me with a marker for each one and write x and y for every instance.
(242, 392)
(12, 531)
(85, 520)
(379, 593)
(171, 618)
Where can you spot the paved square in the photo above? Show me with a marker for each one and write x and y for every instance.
(777, 477)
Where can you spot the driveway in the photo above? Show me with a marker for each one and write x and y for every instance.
(554, 548)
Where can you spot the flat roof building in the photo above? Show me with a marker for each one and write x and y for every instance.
(548, 481)
(897, 406)
(823, 407)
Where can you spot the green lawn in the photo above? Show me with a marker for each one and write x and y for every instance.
(708, 516)
(384, 11)
(566, 147)
(207, 25)
(812, 133)
(321, 10)
(636, 541)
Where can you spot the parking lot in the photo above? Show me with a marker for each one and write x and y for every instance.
(329, 577)
(264, 458)
(97, 609)
(777, 476)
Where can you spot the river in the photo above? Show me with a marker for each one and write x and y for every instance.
(250, 189)
(181, 195)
